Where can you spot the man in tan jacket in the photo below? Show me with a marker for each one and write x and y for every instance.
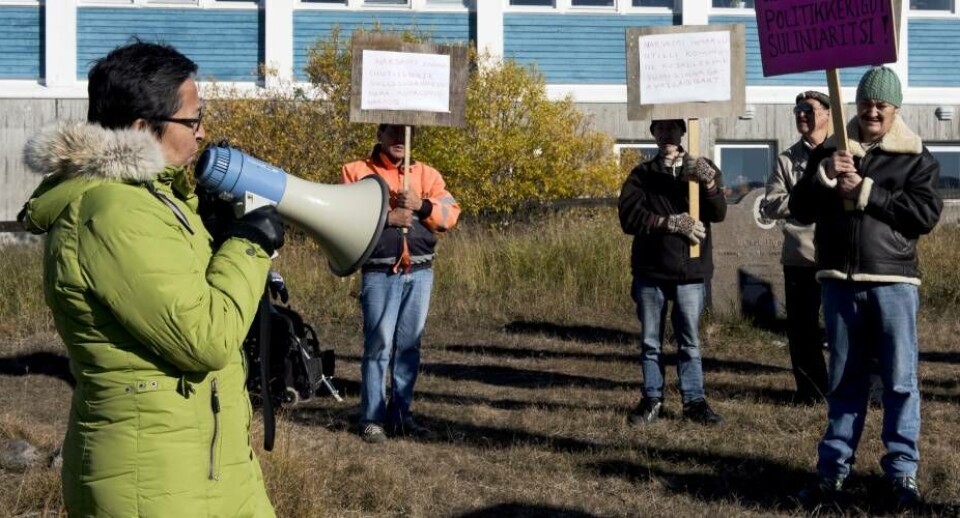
(801, 289)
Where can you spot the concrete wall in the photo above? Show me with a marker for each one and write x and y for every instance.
(20, 119)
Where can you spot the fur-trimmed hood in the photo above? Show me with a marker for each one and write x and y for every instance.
(89, 150)
(899, 139)
(75, 157)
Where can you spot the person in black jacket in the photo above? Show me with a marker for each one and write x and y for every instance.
(654, 208)
(871, 203)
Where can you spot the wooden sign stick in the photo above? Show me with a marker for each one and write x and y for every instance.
(693, 145)
(839, 119)
(406, 162)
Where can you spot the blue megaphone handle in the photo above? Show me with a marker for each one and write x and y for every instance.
(231, 173)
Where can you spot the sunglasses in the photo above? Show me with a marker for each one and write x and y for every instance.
(803, 108)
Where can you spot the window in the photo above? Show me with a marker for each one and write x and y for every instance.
(386, 2)
(949, 158)
(654, 3)
(931, 5)
(745, 166)
(452, 3)
(532, 3)
(734, 4)
(592, 3)
(632, 154)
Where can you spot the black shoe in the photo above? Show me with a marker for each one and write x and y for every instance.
(826, 491)
(646, 412)
(906, 494)
(411, 428)
(700, 412)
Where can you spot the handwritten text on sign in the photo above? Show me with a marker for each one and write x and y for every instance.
(684, 67)
(802, 35)
(403, 81)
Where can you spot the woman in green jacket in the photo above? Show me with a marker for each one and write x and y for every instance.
(152, 317)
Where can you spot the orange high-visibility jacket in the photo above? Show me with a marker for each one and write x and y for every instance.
(439, 214)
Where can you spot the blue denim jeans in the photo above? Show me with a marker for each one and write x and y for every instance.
(866, 320)
(651, 297)
(394, 314)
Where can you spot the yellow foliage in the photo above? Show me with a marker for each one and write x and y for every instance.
(518, 148)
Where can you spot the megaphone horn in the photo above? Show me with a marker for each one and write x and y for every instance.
(345, 220)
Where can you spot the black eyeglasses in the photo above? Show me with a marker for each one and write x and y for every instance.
(194, 124)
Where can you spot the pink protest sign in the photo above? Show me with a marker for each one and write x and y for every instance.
(803, 35)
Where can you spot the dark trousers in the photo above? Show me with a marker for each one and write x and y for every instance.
(803, 332)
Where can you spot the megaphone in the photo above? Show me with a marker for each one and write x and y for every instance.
(345, 220)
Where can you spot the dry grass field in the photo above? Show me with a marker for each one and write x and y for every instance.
(530, 365)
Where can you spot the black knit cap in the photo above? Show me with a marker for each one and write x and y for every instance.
(679, 122)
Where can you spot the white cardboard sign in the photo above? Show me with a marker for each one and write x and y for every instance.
(685, 67)
(401, 81)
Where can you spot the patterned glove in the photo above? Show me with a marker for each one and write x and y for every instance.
(683, 224)
(699, 170)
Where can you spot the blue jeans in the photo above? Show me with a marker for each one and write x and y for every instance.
(866, 320)
(651, 297)
(394, 314)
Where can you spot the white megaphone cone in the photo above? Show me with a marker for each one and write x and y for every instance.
(345, 220)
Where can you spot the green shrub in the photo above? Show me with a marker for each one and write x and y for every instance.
(518, 148)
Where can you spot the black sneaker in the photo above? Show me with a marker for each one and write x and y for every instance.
(411, 428)
(373, 433)
(906, 494)
(646, 412)
(826, 491)
(700, 412)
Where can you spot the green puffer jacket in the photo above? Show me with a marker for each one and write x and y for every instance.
(153, 322)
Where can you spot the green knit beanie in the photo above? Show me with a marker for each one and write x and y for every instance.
(881, 84)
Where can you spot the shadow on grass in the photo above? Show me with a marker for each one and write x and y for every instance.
(588, 334)
(754, 482)
(510, 404)
(539, 354)
(940, 357)
(520, 378)
(519, 510)
(741, 391)
(447, 431)
(42, 363)
(709, 364)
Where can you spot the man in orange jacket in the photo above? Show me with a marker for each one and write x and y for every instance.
(396, 283)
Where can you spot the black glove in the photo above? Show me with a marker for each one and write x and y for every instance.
(278, 288)
(216, 214)
(263, 226)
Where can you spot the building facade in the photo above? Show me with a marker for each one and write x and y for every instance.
(46, 48)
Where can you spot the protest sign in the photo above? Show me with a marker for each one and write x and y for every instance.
(686, 72)
(804, 35)
(413, 84)
(679, 72)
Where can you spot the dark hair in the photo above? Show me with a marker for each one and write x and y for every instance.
(137, 81)
(679, 122)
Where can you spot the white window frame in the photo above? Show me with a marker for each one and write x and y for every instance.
(203, 4)
(951, 14)
(946, 147)
(361, 5)
(20, 3)
(727, 11)
(718, 147)
(566, 6)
